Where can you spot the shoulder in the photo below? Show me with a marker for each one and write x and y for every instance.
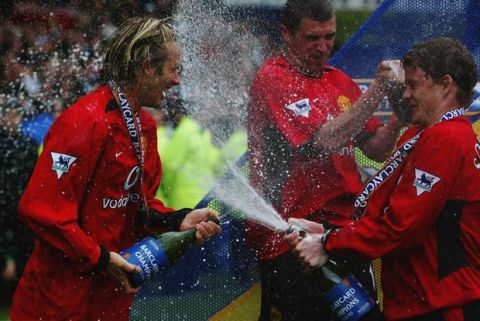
(453, 129)
(273, 68)
(87, 112)
(336, 75)
(408, 134)
(147, 120)
(92, 106)
(452, 135)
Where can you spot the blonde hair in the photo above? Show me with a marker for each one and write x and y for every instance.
(136, 40)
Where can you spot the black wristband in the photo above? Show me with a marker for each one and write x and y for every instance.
(169, 220)
(103, 260)
(325, 239)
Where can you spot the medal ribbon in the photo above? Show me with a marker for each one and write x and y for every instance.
(392, 164)
(134, 129)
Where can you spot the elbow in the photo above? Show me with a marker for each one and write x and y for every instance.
(24, 212)
(377, 154)
(35, 215)
(378, 157)
(328, 144)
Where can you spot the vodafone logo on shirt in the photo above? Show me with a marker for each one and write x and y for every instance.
(132, 178)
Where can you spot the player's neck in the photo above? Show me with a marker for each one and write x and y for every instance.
(130, 94)
(299, 66)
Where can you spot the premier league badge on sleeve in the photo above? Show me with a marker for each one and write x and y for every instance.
(424, 181)
(301, 107)
(61, 163)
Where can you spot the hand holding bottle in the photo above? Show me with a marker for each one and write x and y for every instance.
(308, 247)
(342, 292)
(310, 250)
(152, 254)
(205, 221)
(118, 269)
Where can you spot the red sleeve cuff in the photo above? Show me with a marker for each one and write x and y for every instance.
(103, 260)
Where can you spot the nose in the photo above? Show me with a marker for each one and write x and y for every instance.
(176, 80)
(406, 94)
(323, 46)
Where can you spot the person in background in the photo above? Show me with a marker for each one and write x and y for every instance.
(423, 220)
(16, 165)
(189, 158)
(92, 190)
(304, 120)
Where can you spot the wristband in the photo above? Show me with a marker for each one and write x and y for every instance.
(325, 239)
(103, 260)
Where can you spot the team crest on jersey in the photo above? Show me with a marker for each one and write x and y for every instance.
(344, 103)
(424, 181)
(301, 107)
(61, 163)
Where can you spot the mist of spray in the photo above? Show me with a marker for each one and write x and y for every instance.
(220, 57)
(242, 196)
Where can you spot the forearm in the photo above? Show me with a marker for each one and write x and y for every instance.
(336, 132)
(169, 221)
(381, 145)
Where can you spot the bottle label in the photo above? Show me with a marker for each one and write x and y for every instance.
(348, 300)
(149, 255)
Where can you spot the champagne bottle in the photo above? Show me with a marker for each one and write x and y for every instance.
(154, 254)
(345, 296)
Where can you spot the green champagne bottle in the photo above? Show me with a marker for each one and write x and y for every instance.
(345, 296)
(153, 254)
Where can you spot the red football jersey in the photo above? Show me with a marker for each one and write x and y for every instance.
(286, 108)
(424, 221)
(84, 193)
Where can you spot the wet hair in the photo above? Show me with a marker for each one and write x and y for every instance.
(445, 56)
(295, 10)
(136, 40)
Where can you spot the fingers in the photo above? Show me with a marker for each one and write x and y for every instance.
(123, 264)
(311, 252)
(391, 72)
(205, 230)
(120, 279)
(199, 215)
(118, 270)
(306, 225)
(206, 213)
(124, 285)
(293, 238)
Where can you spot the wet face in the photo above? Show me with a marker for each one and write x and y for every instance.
(423, 95)
(311, 44)
(160, 79)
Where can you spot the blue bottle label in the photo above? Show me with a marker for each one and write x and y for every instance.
(348, 300)
(149, 255)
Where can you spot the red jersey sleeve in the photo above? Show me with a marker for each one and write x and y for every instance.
(400, 216)
(51, 202)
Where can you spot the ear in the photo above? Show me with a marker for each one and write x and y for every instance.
(286, 35)
(450, 88)
(447, 81)
(147, 68)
